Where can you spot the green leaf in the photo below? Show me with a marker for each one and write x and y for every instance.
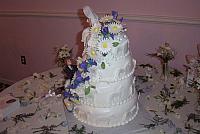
(92, 86)
(115, 44)
(87, 90)
(103, 65)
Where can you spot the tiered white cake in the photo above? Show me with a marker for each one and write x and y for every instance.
(105, 80)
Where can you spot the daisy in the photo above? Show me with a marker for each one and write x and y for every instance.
(106, 18)
(92, 52)
(115, 28)
(95, 30)
(104, 46)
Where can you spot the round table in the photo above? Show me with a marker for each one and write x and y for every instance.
(151, 106)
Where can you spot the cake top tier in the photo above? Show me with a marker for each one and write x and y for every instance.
(104, 33)
(105, 44)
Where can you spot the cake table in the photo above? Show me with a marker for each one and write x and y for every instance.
(147, 104)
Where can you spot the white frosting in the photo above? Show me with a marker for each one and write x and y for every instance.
(113, 101)
(107, 117)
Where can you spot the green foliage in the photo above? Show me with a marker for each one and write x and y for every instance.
(176, 72)
(81, 130)
(87, 90)
(179, 103)
(115, 44)
(103, 65)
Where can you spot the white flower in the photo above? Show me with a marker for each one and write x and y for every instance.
(95, 30)
(104, 46)
(67, 82)
(106, 18)
(92, 53)
(115, 28)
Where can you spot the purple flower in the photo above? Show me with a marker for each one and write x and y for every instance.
(83, 66)
(72, 86)
(78, 78)
(121, 19)
(67, 94)
(112, 36)
(104, 31)
(114, 14)
(87, 78)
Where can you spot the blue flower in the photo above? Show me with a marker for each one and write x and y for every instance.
(72, 86)
(121, 19)
(79, 79)
(83, 66)
(92, 62)
(87, 78)
(114, 14)
(112, 36)
(105, 31)
(67, 94)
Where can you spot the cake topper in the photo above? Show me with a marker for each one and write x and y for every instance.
(90, 15)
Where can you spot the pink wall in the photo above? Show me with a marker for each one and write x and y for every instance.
(35, 37)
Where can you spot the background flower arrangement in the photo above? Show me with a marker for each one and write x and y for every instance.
(165, 54)
(62, 54)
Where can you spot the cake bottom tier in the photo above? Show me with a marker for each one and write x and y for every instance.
(107, 117)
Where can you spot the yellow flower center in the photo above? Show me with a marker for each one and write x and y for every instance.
(93, 53)
(96, 29)
(105, 45)
(114, 28)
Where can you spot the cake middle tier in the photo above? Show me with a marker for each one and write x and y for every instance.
(115, 71)
(110, 94)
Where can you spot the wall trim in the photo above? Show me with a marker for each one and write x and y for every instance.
(6, 81)
(129, 17)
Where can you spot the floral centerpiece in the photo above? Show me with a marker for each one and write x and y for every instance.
(165, 54)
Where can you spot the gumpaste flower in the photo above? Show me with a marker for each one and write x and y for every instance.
(105, 31)
(104, 46)
(67, 94)
(92, 62)
(83, 66)
(115, 28)
(92, 52)
(87, 78)
(95, 30)
(114, 14)
(106, 18)
(79, 78)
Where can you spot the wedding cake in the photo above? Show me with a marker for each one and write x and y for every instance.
(105, 81)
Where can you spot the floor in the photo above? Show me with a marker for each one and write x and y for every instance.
(3, 86)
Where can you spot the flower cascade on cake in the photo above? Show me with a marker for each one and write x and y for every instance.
(104, 81)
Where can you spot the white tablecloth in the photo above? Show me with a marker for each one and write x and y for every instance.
(147, 104)
(48, 105)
